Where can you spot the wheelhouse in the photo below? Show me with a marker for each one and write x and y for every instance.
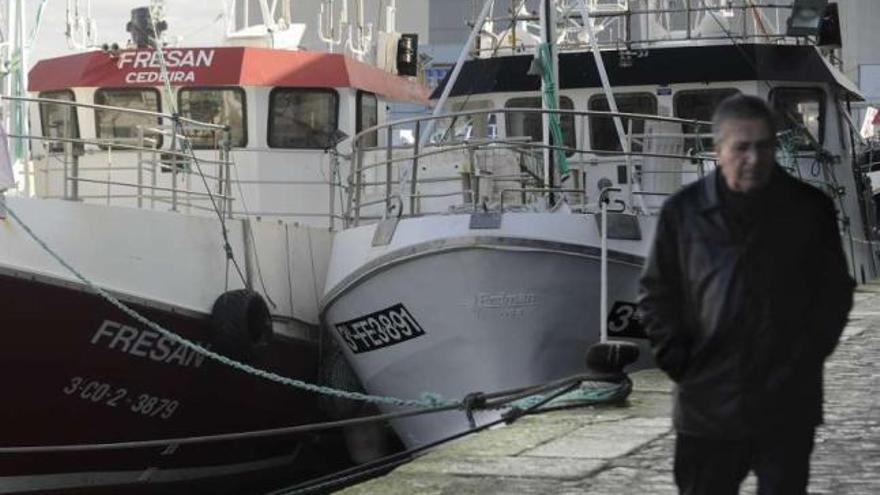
(106, 141)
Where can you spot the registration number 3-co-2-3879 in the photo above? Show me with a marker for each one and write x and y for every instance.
(111, 396)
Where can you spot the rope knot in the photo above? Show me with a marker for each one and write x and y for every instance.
(472, 401)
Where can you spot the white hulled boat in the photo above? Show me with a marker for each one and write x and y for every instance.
(472, 259)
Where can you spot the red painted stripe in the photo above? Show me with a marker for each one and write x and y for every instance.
(229, 66)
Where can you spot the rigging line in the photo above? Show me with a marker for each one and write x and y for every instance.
(188, 149)
(248, 227)
(486, 75)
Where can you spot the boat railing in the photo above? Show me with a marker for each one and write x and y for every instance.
(447, 170)
(170, 163)
(640, 24)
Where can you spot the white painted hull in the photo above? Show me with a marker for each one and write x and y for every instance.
(498, 311)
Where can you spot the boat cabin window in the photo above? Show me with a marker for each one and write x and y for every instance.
(303, 118)
(58, 120)
(603, 134)
(120, 127)
(367, 116)
(466, 127)
(800, 110)
(529, 124)
(699, 105)
(215, 106)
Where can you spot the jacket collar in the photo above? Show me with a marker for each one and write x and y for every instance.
(710, 198)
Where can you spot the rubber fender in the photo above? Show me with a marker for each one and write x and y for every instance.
(241, 325)
(611, 356)
(336, 372)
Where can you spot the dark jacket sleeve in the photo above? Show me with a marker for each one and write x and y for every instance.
(661, 299)
(833, 293)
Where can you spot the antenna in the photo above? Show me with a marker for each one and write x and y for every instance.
(263, 23)
(328, 31)
(81, 29)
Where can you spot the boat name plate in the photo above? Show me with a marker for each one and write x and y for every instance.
(485, 220)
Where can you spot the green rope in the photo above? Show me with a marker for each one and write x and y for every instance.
(586, 394)
(550, 97)
(427, 400)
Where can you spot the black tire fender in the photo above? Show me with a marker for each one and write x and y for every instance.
(241, 325)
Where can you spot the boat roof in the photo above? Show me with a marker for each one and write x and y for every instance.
(657, 66)
(220, 66)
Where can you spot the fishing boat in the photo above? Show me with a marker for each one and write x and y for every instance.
(198, 188)
(477, 258)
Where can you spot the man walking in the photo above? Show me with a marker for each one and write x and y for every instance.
(744, 296)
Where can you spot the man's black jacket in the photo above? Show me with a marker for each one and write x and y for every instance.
(744, 321)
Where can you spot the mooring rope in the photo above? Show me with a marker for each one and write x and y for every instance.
(427, 400)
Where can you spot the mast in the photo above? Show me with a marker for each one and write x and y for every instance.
(15, 119)
(450, 83)
(549, 88)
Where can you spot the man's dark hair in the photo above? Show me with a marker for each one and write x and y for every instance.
(742, 107)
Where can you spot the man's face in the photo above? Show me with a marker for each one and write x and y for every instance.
(746, 154)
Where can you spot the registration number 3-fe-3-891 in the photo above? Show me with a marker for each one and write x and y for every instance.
(380, 329)
(108, 395)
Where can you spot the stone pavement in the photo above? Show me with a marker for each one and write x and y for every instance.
(628, 449)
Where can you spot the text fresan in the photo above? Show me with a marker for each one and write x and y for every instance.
(146, 344)
(179, 65)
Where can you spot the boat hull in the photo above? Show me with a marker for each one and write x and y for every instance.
(78, 373)
(486, 314)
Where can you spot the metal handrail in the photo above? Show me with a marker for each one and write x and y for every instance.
(179, 161)
(747, 11)
(407, 157)
(488, 111)
(154, 188)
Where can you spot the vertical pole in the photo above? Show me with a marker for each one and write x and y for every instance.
(356, 194)
(603, 277)
(413, 201)
(140, 167)
(334, 171)
(629, 162)
(154, 172)
(74, 174)
(68, 154)
(475, 174)
(389, 155)
(174, 165)
(687, 6)
(21, 106)
(227, 166)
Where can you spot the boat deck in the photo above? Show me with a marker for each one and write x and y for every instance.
(628, 449)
